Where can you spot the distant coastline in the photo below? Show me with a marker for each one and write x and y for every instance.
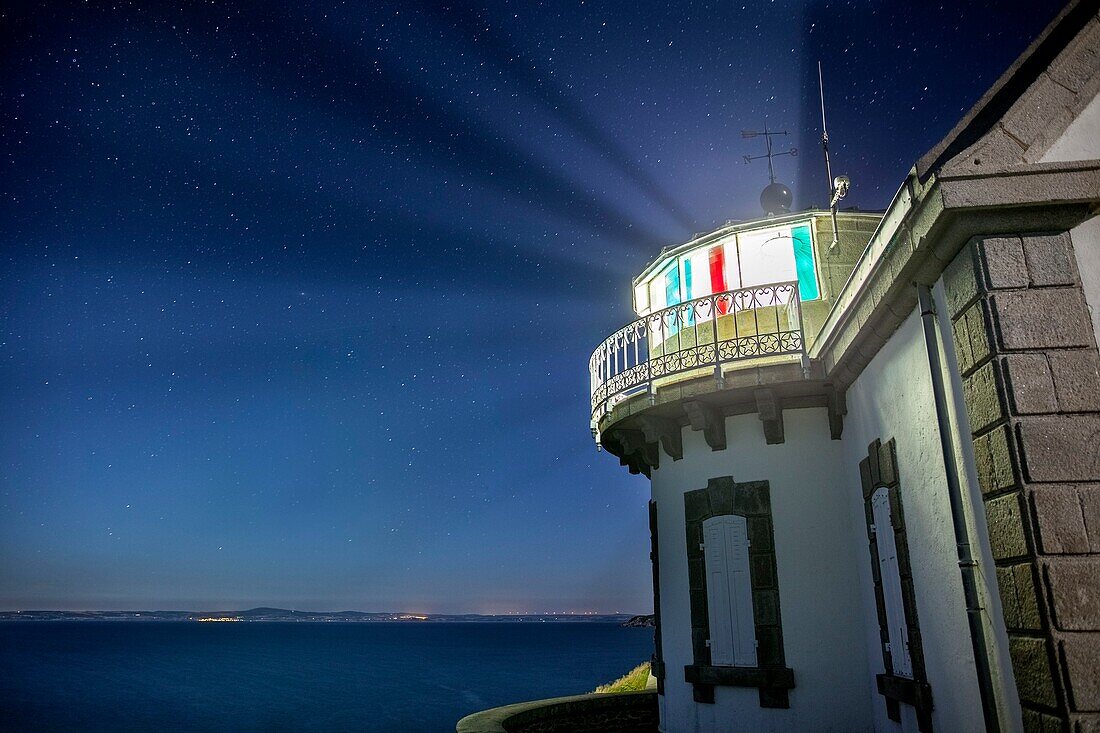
(285, 615)
(645, 621)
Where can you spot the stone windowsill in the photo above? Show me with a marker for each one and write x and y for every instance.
(764, 677)
(903, 689)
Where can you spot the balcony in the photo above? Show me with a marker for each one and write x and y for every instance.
(710, 335)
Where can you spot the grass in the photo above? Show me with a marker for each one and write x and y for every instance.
(633, 680)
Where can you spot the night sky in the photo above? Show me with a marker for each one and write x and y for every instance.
(296, 300)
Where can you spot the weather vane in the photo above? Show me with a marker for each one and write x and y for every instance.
(777, 197)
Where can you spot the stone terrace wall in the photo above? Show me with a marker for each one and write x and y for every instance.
(1031, 376)
(624, 712)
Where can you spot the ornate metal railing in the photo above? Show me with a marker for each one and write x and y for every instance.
(706, 332)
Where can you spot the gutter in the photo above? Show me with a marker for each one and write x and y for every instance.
(968, 565)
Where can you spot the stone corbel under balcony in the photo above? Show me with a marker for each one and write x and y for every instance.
(708, 418)
(770, 411)
(666, 431)
(640, 436)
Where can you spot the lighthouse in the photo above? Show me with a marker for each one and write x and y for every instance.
(871, 439)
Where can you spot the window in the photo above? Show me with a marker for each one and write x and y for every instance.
(641, 298)
(716, 263)
(736, 623)
(656, 294)
(729, 591)
(672, 285)
(904, 679)
(767, 256)
(891, 584)
(743, 260)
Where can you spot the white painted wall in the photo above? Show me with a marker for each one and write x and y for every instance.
(1081, 140)
(1086, 248)
(816, 550)
(893, 398)
(830, 624)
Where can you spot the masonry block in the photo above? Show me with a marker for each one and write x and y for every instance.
(700, 649)
(1074, 70)
(982, 396)
(1075, 593)
(977, 330)
(1029, 384)
(994, 458)
(1027, 591)
(888, 463)
(1081, 653)
(1076, 377)
(1090, 509)
(762, 569)
(1006, 530)
(1005, 266)
(761, 533)
(1060, 520)
(981, 342)
(1061, 448)
(1010, 604)
(1034, 677)
(696, 505)
(696, 573)
(1086, 724)
(1019, 598)
(721, 498)
(699, 608)
(1040, 319)
(1036, 722)
(1050, 259)
(766, 607)
(1049, 107)
(769, 649)
(963, 352)
(960, 280)
(752, 499)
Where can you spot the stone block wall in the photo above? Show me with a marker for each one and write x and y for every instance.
(1031, 384)
(620, 712)
(835, 264)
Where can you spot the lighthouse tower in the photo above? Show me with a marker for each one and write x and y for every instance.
(711, 393)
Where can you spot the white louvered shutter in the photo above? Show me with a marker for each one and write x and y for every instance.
(891, 584)
(729, 591)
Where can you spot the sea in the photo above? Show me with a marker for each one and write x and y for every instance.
(397, 677)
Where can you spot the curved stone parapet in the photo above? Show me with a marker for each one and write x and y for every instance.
(619, 712)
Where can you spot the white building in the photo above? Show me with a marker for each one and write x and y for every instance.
(875, 463)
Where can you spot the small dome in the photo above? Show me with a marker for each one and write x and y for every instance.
(776, 199)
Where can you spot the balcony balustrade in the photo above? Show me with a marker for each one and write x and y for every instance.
(686, 340)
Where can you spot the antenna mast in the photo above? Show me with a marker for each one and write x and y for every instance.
(824, 130)
(838, 187)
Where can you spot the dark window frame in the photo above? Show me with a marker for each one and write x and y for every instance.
(771, 676)
(880, 470)
(657, 665)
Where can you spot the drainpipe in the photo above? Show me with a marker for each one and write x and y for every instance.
(967, 564)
